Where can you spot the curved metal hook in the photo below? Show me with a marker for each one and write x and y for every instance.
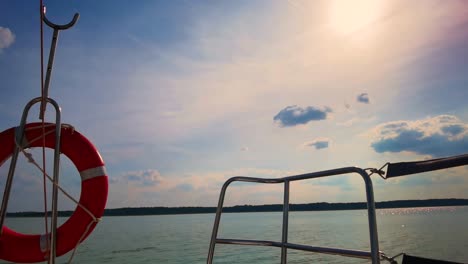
(61, 27)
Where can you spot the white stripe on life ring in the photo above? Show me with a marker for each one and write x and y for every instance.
(92, 173)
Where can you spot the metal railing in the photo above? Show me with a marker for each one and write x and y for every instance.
(374, 254)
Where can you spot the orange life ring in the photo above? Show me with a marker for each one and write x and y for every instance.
(25, 248)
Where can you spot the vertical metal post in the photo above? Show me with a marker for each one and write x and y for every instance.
(53, 241)
(50, 64)
(214, 233)
(284, 240)
(371, 215)
(19, 137)
(9, 181)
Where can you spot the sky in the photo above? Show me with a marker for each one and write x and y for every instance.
(179, 96)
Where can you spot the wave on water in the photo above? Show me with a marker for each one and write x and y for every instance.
(132, 250)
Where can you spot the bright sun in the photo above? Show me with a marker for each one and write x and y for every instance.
(349, 16)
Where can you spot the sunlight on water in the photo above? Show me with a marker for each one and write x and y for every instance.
(420, 210)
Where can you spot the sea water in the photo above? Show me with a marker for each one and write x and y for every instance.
(436, 232)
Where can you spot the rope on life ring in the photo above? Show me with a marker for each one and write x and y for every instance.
(26, 248)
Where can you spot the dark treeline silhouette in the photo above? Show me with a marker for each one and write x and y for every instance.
(132, 211)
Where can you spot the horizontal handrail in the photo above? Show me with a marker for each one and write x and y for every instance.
(305, 176)
(324, 250)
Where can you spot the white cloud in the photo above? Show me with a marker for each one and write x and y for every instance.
(363, 98)
(318, 143)
(197, 189)
(148, 177)
(442, 135)
(295, 115)
(6, 38)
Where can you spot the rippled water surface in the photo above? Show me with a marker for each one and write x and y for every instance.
(431, 232)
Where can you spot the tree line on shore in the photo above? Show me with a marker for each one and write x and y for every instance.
(322, 206)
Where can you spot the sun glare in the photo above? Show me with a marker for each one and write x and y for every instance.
(348, 17)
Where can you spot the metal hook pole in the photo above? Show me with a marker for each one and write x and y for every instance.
(44, 100)
(50, 63)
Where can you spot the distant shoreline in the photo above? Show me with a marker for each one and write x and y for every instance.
(136, 211)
